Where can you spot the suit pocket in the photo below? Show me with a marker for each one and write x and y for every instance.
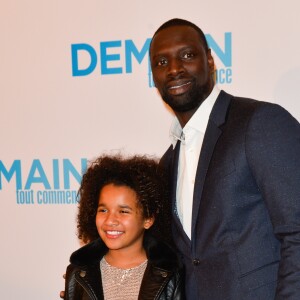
(218, 171)
(260, 277)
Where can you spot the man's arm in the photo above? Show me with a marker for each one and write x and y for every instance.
(273, 151)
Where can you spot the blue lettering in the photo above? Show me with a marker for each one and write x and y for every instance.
(25, 197)
(105, 58)
(228, 75)
(15, 168)
(42, 178)
(226, 55)
(130, 48)
(74, 52)
(224, 75)
(69, 168)
(56, 184)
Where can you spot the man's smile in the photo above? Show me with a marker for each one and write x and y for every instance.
(178, 88)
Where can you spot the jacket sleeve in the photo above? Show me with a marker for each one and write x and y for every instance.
(179, 287)
(273, 153)
(72, 290)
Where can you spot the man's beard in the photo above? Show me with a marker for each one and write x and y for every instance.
(188, 101)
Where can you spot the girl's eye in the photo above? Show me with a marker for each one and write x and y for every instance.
(124, 211)
(102, 210)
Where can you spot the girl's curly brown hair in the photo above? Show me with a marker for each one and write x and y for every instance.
(141, 174)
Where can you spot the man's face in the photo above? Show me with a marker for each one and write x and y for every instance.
(182, 69)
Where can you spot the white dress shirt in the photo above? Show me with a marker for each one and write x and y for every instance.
(191, 137)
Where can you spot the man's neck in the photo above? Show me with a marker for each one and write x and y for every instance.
(184, 117)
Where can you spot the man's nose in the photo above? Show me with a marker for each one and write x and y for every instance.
(175, 67)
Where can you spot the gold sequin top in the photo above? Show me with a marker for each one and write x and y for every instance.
(121, 284)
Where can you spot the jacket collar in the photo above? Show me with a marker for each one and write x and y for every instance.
(158, 253)
(198, 121)
(214, 130)
(89, 254)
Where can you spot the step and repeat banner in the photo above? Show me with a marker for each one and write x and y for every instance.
(76, 83)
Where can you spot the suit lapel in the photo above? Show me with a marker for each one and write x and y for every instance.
(213, 132)
(173, 178)
(173, 184)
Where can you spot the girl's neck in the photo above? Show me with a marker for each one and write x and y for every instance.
(125, 260)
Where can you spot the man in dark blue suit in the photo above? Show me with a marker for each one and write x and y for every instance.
(234, 167)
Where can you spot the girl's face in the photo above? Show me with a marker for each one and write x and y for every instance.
(120, 220)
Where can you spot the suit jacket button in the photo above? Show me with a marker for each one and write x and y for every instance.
(196, 262)
(82, 273)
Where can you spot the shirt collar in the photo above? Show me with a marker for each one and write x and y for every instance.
(198, 121)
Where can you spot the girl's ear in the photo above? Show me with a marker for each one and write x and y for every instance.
(148, 222)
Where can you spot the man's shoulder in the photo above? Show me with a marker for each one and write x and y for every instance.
(251, 106)
(246, 101)
(242, 100)
(258, 111)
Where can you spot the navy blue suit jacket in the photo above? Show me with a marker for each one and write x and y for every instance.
(245, 241)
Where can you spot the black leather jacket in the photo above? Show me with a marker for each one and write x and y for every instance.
(163, 278)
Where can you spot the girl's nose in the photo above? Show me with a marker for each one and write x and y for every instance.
(111, 220)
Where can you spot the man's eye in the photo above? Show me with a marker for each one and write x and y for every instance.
(162, 62)
(188, 55)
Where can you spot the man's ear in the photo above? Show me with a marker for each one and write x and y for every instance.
(210, 60)
(148, 222)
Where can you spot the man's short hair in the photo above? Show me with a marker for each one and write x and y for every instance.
(181, 22)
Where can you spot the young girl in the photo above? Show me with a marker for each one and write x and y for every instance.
(123, 215)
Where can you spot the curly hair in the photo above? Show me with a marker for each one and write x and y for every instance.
(141, 174)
